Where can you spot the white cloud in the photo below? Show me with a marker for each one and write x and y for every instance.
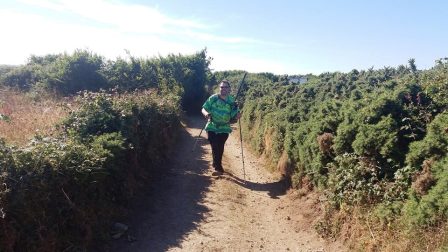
(125, 17)
(27, 34)
(108, 28)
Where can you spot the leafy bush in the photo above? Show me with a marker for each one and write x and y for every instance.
(95, 116)
(185, 76)
(434, 145)
(376, 140)
(430, 205)
(355, 180)
(69, 74)
(21, 78)
(431, 208)
(435, 83)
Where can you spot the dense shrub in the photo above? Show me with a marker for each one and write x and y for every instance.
(69, 74)
(64, 192)
(428, 204)
(4, 69)
(53, 187)
(385, 126)
(435, 83)
(355, 180)
(21, 78)
(434, 145)
(185, 76)
(432, 207)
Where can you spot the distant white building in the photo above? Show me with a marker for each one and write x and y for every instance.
(296, 79)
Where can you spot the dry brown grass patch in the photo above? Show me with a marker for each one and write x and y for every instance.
(424, 180)
(362, 231)
(284, 165)
(325, 142)
(27, 118)
(268, 140)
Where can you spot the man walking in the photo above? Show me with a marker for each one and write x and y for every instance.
(219, 109)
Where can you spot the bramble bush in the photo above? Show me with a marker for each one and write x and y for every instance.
(354, 180)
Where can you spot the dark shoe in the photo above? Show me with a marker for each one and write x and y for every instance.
(216, 173)
(219, 169)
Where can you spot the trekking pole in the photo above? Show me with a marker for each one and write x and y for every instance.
(239, 123)
(197, 139)
(239, 86)
(242, 153)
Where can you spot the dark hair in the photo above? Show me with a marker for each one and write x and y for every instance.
(225, 82)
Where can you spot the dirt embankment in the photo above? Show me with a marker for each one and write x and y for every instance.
(188, 209)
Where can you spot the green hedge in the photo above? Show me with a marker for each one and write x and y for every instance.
(66, 74)
(64, 192)
(361, 136)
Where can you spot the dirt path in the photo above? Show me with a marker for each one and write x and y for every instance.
(190, 210)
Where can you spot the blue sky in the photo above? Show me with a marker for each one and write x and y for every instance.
(282, 37)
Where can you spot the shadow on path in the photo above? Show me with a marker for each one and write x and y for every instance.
(273, 189)
(172, 206)
(195, 122)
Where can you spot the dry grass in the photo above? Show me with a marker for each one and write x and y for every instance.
(27, 118)
(284, 165)
(428, 240)
(361, 232)
(325, 142)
